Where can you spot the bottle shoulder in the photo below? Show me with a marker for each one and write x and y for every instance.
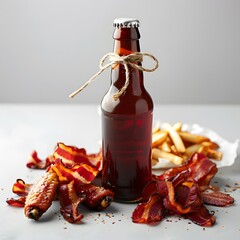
(127, 104)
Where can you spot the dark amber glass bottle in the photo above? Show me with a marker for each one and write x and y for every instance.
(126, 122)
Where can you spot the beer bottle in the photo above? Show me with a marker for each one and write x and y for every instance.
(126, 122)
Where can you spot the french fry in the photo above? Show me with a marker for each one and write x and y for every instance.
(193, 138)
(211, 145)
(157, 153)
(175, 137)
(158, 138)
(214, 154)
(177, 126)
(203, 150)
(169, 141)
(174, 150)
(154, 161)
(155, 130)
(192, 149)
(165, 146)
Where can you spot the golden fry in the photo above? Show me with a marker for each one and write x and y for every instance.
(154, 161)
(177, 126)
(175, 137)
(214, 154)
(192, 149)
(211, 145)
(158, 138)
(157, 153)
(193, 138)
(203, 150)
(165, 146)
(155, 130)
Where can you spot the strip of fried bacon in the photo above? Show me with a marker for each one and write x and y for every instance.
(80, 174)
(35, 162)
(151, 211)
(71, 155)
(171, 204)
(20, 202)
(217, 199)
(186, 194)
(202, 217)
(21, 188)
(69, 202)
(95, 197)
(180, 191)
(41, 196)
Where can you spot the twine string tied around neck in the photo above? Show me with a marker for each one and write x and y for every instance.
(111, 59)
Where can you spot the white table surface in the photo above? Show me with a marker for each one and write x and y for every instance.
(24, 128)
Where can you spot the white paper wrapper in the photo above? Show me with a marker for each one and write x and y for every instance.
(228, 149)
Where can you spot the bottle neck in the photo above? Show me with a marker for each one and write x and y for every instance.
(126, 47)
(126, 41)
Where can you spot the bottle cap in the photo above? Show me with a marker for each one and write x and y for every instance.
(126, 22)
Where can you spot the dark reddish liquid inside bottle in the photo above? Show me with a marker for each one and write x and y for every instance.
(126, 126)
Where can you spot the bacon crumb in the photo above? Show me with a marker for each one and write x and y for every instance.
(35, 162)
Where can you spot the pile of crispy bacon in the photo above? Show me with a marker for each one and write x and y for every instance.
(182, 191)
(70, 172)
(68, 178)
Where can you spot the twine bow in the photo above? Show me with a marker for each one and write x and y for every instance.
(110, 59)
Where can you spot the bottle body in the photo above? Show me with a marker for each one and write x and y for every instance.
(127, 165)
(126, 126)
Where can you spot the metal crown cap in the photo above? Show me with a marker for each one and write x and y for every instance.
(126, 22)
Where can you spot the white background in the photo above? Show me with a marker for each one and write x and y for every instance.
(48, 48)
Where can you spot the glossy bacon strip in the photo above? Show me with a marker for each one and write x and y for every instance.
(95, 198)
(20, 202)
(200, 168)
(217, 199)
(21, 188)
(41, 196)
(171, 205)
(72, 155)
(151, 211)
(179, 178)
(69, 202)
(35, 162)
(186, 194)
(149, 190)
(202, 217)
(80, 174)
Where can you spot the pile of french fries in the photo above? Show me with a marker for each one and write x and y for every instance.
(171, 143)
